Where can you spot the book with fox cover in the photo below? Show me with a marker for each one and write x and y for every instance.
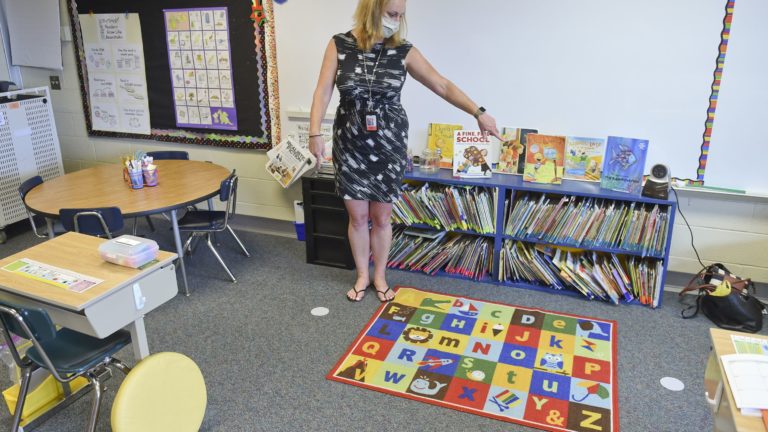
(511, 158)
(584, 158)
(440, 136)
(544, 159)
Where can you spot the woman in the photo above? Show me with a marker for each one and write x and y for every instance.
(370, 133)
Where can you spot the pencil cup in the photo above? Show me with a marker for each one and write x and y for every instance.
(137, 179)
(150, 177)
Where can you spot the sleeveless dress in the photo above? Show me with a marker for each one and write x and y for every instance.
(369, 165)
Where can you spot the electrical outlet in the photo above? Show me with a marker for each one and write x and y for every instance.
(55, 83)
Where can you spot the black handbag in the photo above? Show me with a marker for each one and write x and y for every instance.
(737, 310)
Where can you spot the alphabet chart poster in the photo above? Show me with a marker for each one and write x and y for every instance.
(117, 82)
(542, 369)
(201, 68)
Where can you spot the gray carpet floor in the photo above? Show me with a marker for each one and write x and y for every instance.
(265, 357)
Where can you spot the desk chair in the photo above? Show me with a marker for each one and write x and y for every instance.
(103, 221)
(205, 223)
(65, 353)
(164, 392)
(164, 155)
(24, 189)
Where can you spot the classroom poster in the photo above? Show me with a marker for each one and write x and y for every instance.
(201, 69)
(117, 83)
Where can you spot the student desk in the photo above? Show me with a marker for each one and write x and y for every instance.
(102, 309)
(727, 417)
(181, 183)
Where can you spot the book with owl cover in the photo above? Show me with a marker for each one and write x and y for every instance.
(624, 164)
(470, 150)
(544, 159)
(440, 136)
(512, 150)
(584, 158)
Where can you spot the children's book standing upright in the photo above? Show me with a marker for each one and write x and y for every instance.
(470, 150)
(544, 156)
(512, 150)
(441, 137)
(624, 164)
(584, 158)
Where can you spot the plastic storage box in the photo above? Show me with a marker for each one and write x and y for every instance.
(129, 251)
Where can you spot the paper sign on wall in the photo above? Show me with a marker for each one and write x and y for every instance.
(117, 83)
(201, 68)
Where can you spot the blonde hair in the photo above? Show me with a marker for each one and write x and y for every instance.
(368, 25)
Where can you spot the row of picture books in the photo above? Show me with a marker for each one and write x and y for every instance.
(596, 275)
(608, 277)
(616, 162)
(551, 218)
(431, 251)
(447, 207)
(589, 222)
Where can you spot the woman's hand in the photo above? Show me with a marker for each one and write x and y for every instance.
(487, 124)
(317, 148)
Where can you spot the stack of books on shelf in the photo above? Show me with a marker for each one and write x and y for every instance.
(456, 254)
(589, 222)
(606, 277)
(448, 207)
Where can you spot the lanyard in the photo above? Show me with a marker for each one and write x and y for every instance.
(373, 75)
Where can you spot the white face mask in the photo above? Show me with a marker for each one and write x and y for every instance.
(389, 26)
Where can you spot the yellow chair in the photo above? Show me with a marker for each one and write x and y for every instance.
(164, 392)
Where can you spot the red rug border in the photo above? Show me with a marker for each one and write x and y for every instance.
(443, 404)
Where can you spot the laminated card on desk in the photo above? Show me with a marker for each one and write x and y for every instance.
(748, 378)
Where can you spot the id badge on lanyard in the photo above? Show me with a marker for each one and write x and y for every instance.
(371, 124)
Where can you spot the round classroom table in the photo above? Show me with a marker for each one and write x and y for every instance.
(180, 183)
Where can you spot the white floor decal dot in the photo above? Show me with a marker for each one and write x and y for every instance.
(320, 311)
(672, 384)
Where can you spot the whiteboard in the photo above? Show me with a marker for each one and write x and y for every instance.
(640, 69)
(738, 156)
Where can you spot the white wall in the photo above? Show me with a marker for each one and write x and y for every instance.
(732, 230)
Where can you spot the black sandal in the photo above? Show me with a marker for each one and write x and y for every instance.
(384, 294)
(357, 293)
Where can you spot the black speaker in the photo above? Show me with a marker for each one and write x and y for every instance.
(657, 184)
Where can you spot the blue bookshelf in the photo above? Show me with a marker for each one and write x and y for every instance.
(510, 185)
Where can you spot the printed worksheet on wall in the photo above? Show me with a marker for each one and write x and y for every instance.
(201, 68)
(117, 83)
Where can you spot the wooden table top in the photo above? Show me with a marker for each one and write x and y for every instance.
(78, 253)
(722, 345)
(180, 183)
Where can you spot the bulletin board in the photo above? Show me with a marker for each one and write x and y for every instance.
(251, 46)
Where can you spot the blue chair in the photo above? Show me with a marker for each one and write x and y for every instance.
(103, 221)
(205, 223)
(24, 189)
(169, 155)
(164, 155)
(65, 353)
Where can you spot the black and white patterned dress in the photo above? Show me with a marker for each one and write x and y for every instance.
(369, 165)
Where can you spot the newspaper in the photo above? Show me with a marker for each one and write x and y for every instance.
(288, 161)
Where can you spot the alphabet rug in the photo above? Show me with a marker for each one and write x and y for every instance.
(542, 369)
